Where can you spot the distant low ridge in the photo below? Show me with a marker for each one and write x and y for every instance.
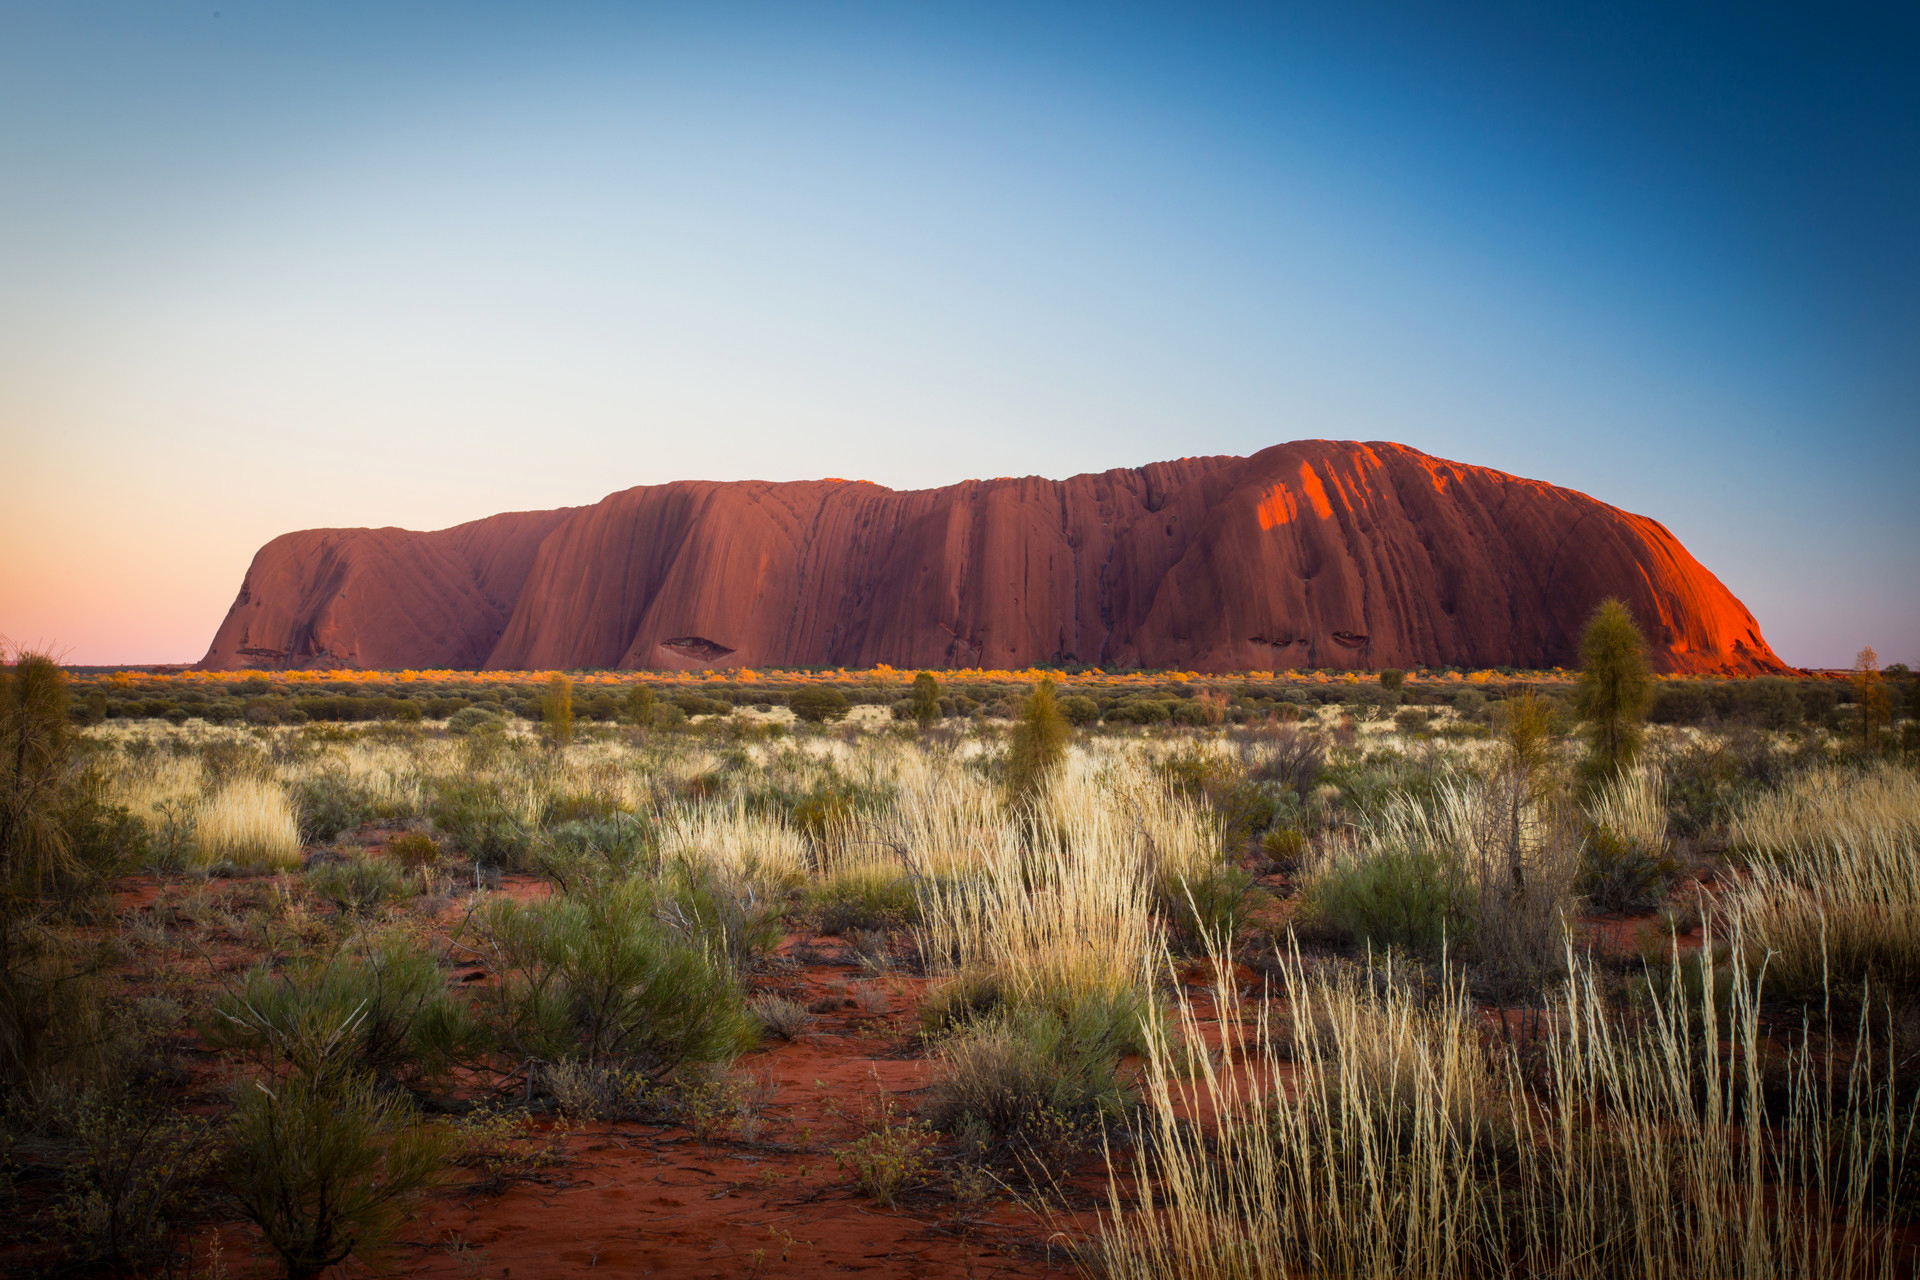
(1318, 553)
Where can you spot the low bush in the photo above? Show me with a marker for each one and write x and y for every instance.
(695, 705)
(1204, 906)
(726, 918)
(1027, 1078)
(594, 975)
(586, 1092)
(780, 1017)
(592, 850)
(887, 1157)
(1133, 710)
(1390, 898)
(476, 817)
(415, 850)
(1621, 873)
(132, 1172)
(1680, 703)
(330, 804)
(358, 885)
(384, 999)
(1080, 711)
(477, 719)
(878, 898)
(969, 996)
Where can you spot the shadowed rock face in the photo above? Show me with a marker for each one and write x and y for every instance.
(1317, 553)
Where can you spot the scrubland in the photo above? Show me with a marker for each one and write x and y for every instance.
(1253, 983)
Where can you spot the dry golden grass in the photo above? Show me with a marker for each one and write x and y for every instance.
(1634, 805)
(1395, 1138)
(1833, 893)
(749, 848)
(248, 824)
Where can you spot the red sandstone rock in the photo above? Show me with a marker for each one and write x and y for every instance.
(1318, 553)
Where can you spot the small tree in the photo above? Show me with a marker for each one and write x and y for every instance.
(1527, 738)
(1614, 688)
(640, 704)
(328, 1165)
(816, 704)
(36, 775)
(926, 699)
(1393, 679)
(1039, 743)
(1873, 697)
(556, 709)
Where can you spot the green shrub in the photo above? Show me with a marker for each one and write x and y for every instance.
(1397, 898)
(1188, 712)
(330, 804)
(1708, 779)
(1079, 710)
(556, 709)
(1619, 873)
(594, 975)
(1030, 1078)
(476, 718)
(1675, 702)
(891, 1153)
(592, 850)
(1614, 689)
(478, 820)
(1205, 907)
(1393, 679)
(817, 704)
(1139, 711)
(865, 899)
(134, 1173)
(695, 705)
(387, 996)
(328, 1166)
(967, 997)
(1284, 844)
(1412, 720)
(413, 850)
(358, 885)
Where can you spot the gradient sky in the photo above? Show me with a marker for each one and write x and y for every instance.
(272, 266)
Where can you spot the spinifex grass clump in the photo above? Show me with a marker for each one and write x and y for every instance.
(1833, 890)
(1392, 1137)
(250, 825)
(1625, 864)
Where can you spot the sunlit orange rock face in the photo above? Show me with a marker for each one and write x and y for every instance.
(1318, 553)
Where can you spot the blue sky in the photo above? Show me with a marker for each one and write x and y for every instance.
(266, 267)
